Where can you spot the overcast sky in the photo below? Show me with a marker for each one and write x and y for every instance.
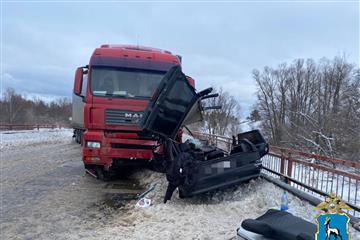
(221, 43)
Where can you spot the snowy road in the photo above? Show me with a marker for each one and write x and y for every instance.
(45, 195)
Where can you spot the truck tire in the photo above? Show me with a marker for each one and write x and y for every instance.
(103, 175)
(78, 134)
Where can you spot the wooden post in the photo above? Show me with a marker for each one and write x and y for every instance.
(282, 162)
(289, 167)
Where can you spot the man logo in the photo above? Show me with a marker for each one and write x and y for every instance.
(332, 225)
(133, 115)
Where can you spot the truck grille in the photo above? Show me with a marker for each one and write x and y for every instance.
(114, 116)
(131, 146)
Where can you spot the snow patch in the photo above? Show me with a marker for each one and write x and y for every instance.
(11, 139)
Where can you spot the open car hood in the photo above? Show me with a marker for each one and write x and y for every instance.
(174, 104)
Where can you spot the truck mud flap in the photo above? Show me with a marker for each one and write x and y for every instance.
(221, 173)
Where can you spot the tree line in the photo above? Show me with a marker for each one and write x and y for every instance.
(308, 105)
(311, 105)
(16, 109)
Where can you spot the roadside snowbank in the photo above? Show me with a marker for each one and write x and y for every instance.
(9, 139)
(210, 216)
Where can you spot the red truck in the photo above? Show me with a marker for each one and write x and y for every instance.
(110, 96)
(129, 106)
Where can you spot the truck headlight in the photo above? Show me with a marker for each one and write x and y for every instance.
(91, 144)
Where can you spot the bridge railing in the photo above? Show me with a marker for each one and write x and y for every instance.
(217, 140)
(10, 127)
(315, 174)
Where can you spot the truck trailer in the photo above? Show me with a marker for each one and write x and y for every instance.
(130, 104)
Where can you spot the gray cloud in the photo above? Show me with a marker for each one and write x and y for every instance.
(220, 43)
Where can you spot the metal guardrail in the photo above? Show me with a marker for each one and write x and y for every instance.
(10, 127)
(315, 174)
(217, 140)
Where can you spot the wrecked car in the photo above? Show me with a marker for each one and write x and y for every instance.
(197, 168)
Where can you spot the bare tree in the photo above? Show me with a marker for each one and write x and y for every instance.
(16, 109)
(224, 121)
(311, 105)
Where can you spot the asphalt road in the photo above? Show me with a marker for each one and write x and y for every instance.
(45, 194)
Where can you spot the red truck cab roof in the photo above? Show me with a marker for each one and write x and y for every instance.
(132, 56)
(135, 47)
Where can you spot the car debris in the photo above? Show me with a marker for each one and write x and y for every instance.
(150, 189)
(276, 224)
(143, 203)
(195, 168)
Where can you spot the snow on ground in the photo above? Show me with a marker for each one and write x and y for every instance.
(57, 201)
(10, 139)
(210, 216)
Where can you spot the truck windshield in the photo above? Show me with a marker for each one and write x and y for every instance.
(119, 82)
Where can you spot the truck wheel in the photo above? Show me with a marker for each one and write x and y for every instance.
(78, 134)
(102, 174)
(81, 139)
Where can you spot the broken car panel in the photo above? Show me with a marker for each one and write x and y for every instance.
(192, 168)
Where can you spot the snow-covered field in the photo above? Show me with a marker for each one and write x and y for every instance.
(46, 195)
(28, 137)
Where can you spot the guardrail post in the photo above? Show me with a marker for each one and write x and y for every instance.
(282, 162)
(289, 167)
(37, 126)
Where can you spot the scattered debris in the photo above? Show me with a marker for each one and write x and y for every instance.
(143, 203)
(150, 189)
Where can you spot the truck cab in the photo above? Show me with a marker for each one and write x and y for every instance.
(109, 98)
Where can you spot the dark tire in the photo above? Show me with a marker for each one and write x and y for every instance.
(78, 134)
(102, 174)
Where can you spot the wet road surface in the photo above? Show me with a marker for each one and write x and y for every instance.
(45, 194)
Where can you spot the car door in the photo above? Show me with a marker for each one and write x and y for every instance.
(174, 103)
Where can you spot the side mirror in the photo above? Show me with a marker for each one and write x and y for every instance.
(78, 81)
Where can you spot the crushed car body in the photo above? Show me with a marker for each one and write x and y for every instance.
(197, 168)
